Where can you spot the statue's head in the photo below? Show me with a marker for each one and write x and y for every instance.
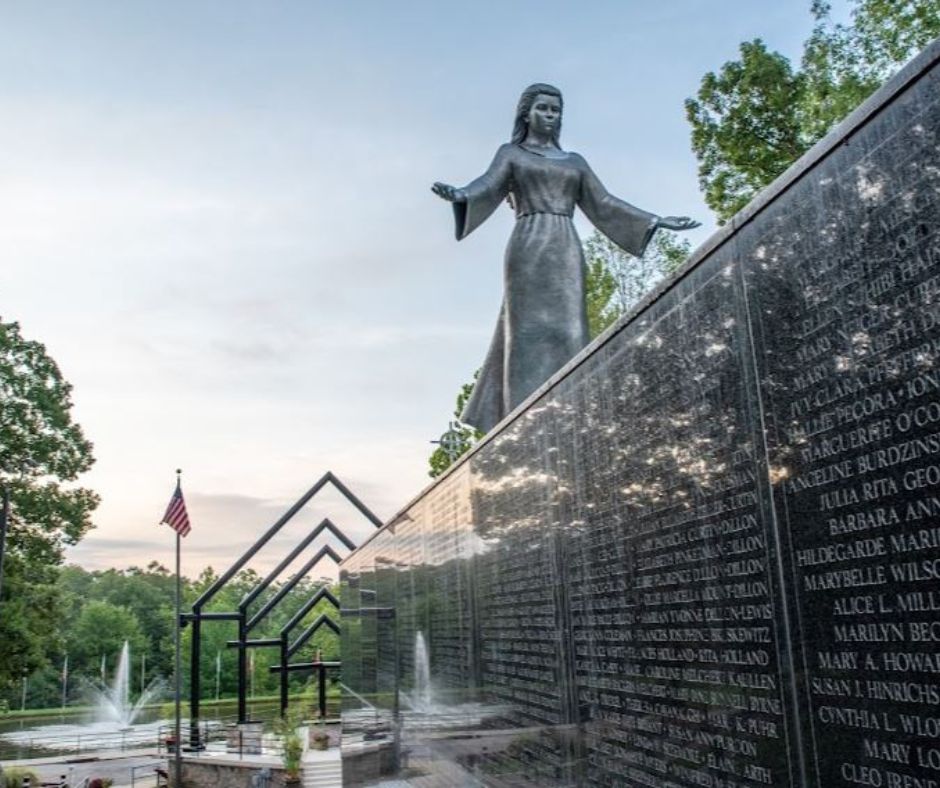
(526, 101)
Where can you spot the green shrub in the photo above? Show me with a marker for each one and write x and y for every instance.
(168, 710)
(292, 745)
(13, 778)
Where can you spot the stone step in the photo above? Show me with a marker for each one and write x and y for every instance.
(332, 781)
(323, 775)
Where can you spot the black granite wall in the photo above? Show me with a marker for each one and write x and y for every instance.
(708, 552)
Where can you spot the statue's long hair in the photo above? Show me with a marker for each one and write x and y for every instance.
(521, 126)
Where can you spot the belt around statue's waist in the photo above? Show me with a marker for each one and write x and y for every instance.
(566, 214)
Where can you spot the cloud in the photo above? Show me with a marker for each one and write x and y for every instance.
(226, 526)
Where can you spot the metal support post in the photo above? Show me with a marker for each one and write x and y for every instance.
(284, 674)
(242, 670)
(194, 683)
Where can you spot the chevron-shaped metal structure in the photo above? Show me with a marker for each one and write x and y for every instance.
(246, 622)
(288, 648)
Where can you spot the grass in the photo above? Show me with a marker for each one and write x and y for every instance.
(71, 710)
(332, 692)
(56, 712)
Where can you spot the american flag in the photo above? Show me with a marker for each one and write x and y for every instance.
(176, 516)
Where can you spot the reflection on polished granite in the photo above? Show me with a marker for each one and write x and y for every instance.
(707, 553)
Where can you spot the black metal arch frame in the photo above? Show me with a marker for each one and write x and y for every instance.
(246, 624)
(288, 648)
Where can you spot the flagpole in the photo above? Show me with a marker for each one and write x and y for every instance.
(178, 764)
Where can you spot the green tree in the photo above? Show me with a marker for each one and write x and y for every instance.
(148, 593)
(43, 689)
(440, 460)
(216, 634)
(600, 285)
(882, 34)
(29, 621)
(41, 452)
(758, 114)
(100, 631)
(745, 128)
(616, 280)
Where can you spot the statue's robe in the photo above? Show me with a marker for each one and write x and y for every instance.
(543, 318)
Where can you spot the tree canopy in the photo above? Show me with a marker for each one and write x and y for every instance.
(42, 453)
(616, 281)
(103, 608)
(758, 114)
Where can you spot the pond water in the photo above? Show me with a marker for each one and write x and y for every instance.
(74, 732)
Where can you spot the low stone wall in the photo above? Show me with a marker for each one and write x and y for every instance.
(226, 773)
(369, 764)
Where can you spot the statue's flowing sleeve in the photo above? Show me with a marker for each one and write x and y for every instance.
(483, 194)
(627, 226)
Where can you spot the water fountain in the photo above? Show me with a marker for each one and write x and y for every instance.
(425, 710)
(422, 699)
(112, 726)
(113, 703)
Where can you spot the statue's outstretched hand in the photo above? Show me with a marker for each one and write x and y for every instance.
(676, 223)
(447, 192)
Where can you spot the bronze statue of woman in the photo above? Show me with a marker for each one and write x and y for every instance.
(543, 318)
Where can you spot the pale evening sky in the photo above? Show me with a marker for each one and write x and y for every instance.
(217, 218)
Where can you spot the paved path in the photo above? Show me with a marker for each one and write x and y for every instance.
(116, 766)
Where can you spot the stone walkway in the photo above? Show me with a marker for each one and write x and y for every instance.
(116, 766)
(321, 767)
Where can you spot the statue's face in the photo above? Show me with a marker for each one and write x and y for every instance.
(545, 115)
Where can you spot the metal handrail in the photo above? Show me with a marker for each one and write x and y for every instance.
(78, 743)
(153, 771)
(167, 733)
(211, 732)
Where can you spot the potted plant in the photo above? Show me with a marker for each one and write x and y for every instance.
(319, 739)
(292, 747)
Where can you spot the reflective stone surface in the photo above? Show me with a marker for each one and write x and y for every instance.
(709, 554)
